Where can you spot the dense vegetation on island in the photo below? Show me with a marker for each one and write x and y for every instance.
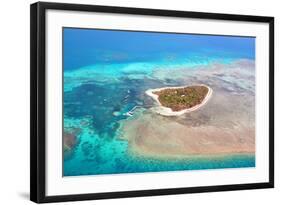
(182, 98)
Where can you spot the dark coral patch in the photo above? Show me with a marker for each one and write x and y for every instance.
(70, 141)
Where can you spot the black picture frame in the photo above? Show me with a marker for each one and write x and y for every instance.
(38, 101)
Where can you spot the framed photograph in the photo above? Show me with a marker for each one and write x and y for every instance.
(129, 102)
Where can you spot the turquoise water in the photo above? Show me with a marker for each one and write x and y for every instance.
(105, 76)
(103, 154)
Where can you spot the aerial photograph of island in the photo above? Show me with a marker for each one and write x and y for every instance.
(143, 101)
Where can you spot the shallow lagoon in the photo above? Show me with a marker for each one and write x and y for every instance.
(98, 107)
(98, 97)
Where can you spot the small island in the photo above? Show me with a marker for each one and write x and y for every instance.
(174, 101)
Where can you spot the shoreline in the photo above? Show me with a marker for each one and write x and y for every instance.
(166, 111)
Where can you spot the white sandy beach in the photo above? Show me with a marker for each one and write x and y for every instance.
(162, 110)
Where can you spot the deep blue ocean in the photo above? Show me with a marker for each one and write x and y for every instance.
(105, 75)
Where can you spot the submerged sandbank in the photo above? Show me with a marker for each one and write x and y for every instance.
(155, 136)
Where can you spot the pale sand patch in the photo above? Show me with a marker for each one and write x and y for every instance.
(166, 111)
(149, 135)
